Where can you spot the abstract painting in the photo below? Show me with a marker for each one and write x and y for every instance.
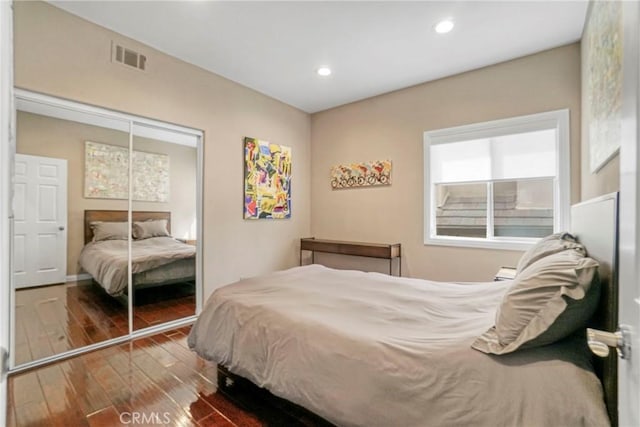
(365, 174)
(267, 180)
(150, 173)
(107, 173)
(602, 81)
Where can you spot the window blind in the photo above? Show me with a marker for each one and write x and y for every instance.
(507, 157)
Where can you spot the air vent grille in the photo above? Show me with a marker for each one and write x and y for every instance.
(128, 57)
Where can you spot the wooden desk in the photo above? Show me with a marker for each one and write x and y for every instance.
(388, 251)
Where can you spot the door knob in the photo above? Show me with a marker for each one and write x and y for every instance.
(600, 341)
(61, 228)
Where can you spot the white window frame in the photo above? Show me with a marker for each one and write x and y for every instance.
(558, 120)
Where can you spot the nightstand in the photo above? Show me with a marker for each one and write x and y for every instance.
(192, 242)
(505, 273)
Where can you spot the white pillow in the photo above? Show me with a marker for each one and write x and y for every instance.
(549, 300)
(150, 228)
(109, 230)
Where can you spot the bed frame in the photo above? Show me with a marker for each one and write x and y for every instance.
(595, 224)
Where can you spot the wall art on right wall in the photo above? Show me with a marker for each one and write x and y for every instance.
(364, 174)
(603, 79)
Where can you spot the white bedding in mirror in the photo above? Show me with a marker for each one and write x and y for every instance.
(107, 260)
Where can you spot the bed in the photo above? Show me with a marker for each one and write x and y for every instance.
(157, 259)
(367, 349)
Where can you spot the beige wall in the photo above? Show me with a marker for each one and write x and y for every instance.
(607, 179)
(62, 55)
(391, 126)
(49, 137)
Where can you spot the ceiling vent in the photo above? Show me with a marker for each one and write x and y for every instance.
(128, 57)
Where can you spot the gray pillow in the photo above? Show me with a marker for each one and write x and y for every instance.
(549, 300)
(109, 230)
(550, 245)
(150, 228)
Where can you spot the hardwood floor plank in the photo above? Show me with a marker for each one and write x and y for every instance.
(57, 318)
(11, 414)
(151, 377)
(185, 330)
(90, 396)
(156, 396)
(32, 413)
(59, 395)
(216, 420)
(172, 387)
(191, 374)
(26, 389)
(197, 407)
(231, 411)
(22, 350)
(183, 354)
(157, 352)
(37, 338)
(107, 417)
(90, 319)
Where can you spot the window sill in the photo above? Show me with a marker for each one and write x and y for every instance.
(470, 242)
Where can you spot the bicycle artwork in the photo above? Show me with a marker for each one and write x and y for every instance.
(366, 174)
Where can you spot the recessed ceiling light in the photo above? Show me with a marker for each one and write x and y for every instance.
(324, 71)
(444, 26)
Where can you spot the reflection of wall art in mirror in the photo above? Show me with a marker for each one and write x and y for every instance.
(602, 81)
(150, 177)
(267, 180)
(364, 174)
(107, 170)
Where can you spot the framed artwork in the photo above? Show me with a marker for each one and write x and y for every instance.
(365, 174)
(602, 81)
(267, 180)
(106, 173)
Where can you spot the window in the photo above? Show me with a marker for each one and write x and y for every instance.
(502, 184)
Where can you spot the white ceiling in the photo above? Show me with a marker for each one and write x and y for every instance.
(372, 47)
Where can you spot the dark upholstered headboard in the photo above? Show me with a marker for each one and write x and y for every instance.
(595, 224)
(119, 216)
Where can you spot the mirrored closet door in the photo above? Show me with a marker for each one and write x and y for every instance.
(105, 228)
(164, 229)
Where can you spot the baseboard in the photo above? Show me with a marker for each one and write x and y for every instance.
(78, 277)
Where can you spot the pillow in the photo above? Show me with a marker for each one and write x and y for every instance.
(150, 228)
(109, 230)
(548, 246)
(547, 301)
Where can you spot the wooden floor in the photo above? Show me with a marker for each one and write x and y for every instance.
(57, 318)
(156, 377)
(154, 306)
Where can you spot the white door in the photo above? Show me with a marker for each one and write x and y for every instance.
(40, 221)
(629, 246)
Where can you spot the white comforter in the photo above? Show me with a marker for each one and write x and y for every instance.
(108, 260)
(366, 349)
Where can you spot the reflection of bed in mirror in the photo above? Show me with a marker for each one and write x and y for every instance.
(157, 259)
